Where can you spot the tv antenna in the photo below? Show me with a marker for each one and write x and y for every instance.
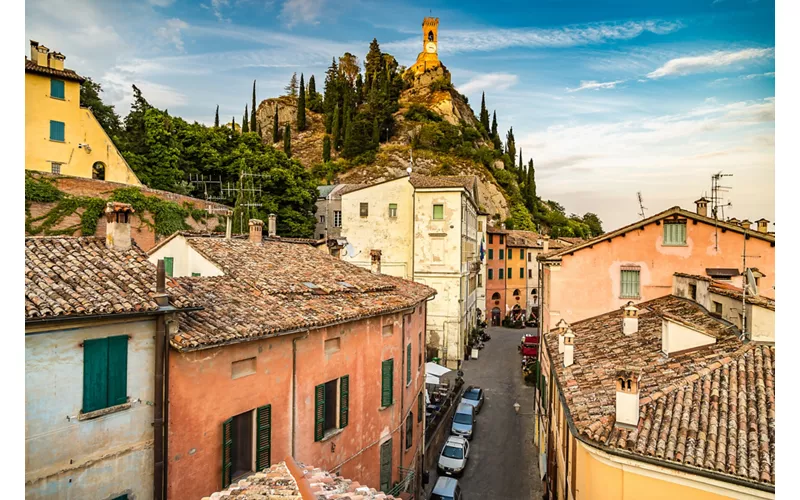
(748, 283)
(717, 206)
(642, 208)
(204, 181)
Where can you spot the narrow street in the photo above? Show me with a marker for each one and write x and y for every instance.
(502, 462)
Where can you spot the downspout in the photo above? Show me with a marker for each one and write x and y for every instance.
(159, 448)
(413, 229)
(294, 385)
(403, 388)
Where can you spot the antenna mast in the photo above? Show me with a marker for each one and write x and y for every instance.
(642, 208)
(717, 206)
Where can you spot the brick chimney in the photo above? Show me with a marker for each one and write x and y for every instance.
(746, 224)
(763, 225)
(627, 382)
(702, 206)
(272, 227)
(630, 319)
(546, 244)
(569, 348)
(256, 228)
(118, 226)
(376, 261)
(561, 327)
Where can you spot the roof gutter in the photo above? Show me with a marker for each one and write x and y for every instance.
(643, 458)
(73, 319)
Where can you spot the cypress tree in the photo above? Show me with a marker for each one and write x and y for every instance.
(335, 126)
(373, 61)
(511, 147)
(484, 113)
(275, 125)
(287, 141)
(312, 89)
(216, 117)
(531, 188)
(301, 106)
(253, 121)
(233, 123)
(494, 124)
(326, 148)
(376, 131)
(520, 169)
(245, 125)
(359, 90)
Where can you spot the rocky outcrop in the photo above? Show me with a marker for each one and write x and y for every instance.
(306, 145)
(433, 90)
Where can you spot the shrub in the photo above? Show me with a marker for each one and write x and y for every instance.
(419, 113)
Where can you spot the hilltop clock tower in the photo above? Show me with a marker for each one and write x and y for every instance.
(428, 59)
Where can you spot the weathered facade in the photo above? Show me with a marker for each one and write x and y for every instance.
(329, 210)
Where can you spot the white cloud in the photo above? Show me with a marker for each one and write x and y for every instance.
(216, 8)
(709, 62)
(594, 85)
(302, 11)
(770, 74)
(171, 32)
(453, 41)
(496, 82)
(161, 3)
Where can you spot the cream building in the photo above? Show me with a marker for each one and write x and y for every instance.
(483, 220)
(426, 229)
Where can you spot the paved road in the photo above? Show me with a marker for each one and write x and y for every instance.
(502, 462)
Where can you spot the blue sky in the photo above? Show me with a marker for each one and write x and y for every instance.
(608, 98)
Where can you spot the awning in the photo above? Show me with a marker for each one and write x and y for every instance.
(432, 368)
(431, 379)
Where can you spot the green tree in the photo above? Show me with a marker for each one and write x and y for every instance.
(216, 117)
(245, 124)
(105, 113)
(233, 123)
(134, 133)
(326, 148)
(253, 124)
(594, 223)
(530, 188)
(287, 141)
(484, 116)
(301, 106)
(275, 125)
(337, 141)
(373, 63)
(376, 132)
(291, 87)
(511, 147)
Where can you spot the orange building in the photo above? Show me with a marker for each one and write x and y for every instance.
(295, 353)
(636, 263)
(496, 275)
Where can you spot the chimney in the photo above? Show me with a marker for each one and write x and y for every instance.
(561, 327)
(569, 348)
(161, 297)
(746, 223)
(627, 382)
(502, 225)
(702, 206)
(376, 261)
(272, 228)
(630, 319)
(39, 53)
(256, 228)
(228, 227)
(763, 225)
(734, 221)
(56, 60)
(118, 227)
(546, 243)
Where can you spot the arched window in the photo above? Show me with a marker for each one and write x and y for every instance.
(533, 292)
(621, 384)
(99, 171)
(495, 296)
(516, 292)
(430, 36)
(629, 384)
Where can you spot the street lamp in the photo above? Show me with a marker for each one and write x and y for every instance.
(516, 407)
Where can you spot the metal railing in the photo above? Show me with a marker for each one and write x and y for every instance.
(406, 482)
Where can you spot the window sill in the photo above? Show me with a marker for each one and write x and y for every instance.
(58, 98)
(102, 412)
(638, 297)
(674, 245)
(386, 407)
(60, 142)
(330, 435)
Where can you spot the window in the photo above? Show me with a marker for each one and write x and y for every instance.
(521, 272)
(717, 308)
(491, 254)
(409, 429)
(420, 351)
(480, 226)
(674, 233)
(693, 291)
(393, 210)
(386, 466)
(502, 254)
(337, 218)
(516, 293)
(56, 131)
(55, 168)
(500, 275)
(326, 397)
(105, 372)
(322, 219)
(490, 274)
(508, 276)
(388, 330)
(491, 239)
(239, 447)
(195, 274)
(529, 256)
(420, 407)
(521, 254)
(99, 171)
(57, 89)
(363, 209)
(530, 273)
(495, 296)
(168, 265)
(480, 280)
(629, 283)
(387, 382)
(438, 212)
(501, 239)
(510, 254)
(321, 236)
(408, 364)
(243, 368)
(332, 345)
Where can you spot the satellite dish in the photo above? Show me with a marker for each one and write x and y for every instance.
(349, 250)
(408, 170)
(752, 288)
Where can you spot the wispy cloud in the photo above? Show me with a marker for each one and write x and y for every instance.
(710, 62)
(496, 82)
(594, 85)
(730, 81)
(302, 11)
(454, 41)
(161, 3)
(170, 32)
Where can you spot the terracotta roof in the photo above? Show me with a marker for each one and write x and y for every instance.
(350, 187)
(66, 74)
(519, 238)
(278, 287)
(571, 240)
(443, 181)
(734, 292)
(67, 277)
(278, 482)
(710, 408)
(651, 220)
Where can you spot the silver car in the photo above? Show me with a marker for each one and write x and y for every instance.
(453, 459)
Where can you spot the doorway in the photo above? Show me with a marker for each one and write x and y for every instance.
(496, 316)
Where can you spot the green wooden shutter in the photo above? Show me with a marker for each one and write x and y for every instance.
(263, 437)
(490, 274)
(344, 401)
(386, 466)
(117, 370)
(227, 458)
(95, 374)
(387, 376)
(491, 254)
(168, 265)
(195, 274)
(57, 88)
(420, 408)
(408, 364)
(319, 412)
(56, 131)
(521, 272)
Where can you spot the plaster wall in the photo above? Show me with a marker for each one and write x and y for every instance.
(186, 260)
(480, 297)
(676, 337)
(106, 456)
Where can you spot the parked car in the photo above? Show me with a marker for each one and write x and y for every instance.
(463, 421)
(473, 396)
(446, 488)
(453, 458)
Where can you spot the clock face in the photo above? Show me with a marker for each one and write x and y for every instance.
(430, 47)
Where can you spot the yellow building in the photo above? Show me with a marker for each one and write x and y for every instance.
(61, 137)
(661, 400)
(428, 59)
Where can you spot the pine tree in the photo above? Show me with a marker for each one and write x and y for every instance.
(301, 106)
(373, 62)
(216, 117)
(326, 148)
(287, 141)
(275, 125)
(291, 88)
(484, 113)
(253, 121)
(337, 141)
(245, 125)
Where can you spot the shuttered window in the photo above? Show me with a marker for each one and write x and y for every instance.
(502, 254)
(387, 382)
(491, 274)
(438, 212)
(408, 364)
(105, 372)
(264, 437)
(344, 401)
(227, 449)
(168, 265)
(56, 131)
(409, 429)
(522, 254)
(675, 233)
(57, 88)
(500, 275)
(386, 466)
(521, 272)
(509, 275)
(491, 239)
(491, 254)
(629, 283)
(319, 412)
(420, 406)
(392, 210)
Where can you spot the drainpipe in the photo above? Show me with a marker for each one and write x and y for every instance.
(159, 444)
(294, 385)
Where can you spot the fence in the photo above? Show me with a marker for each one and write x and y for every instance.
(438, 428)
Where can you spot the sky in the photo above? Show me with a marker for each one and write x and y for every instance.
(608, 98)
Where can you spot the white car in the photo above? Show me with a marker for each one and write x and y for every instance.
(453, 459)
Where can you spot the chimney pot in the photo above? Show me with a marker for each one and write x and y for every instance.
(763, 225)
(630, 319)
(746, 224)
(376, 261)
(546, 243)
(228, 227)
(118, 226)
(569, 348)
(272, 228)
(561, 327)
(702, 206)
(256, 228)
(627, 400)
